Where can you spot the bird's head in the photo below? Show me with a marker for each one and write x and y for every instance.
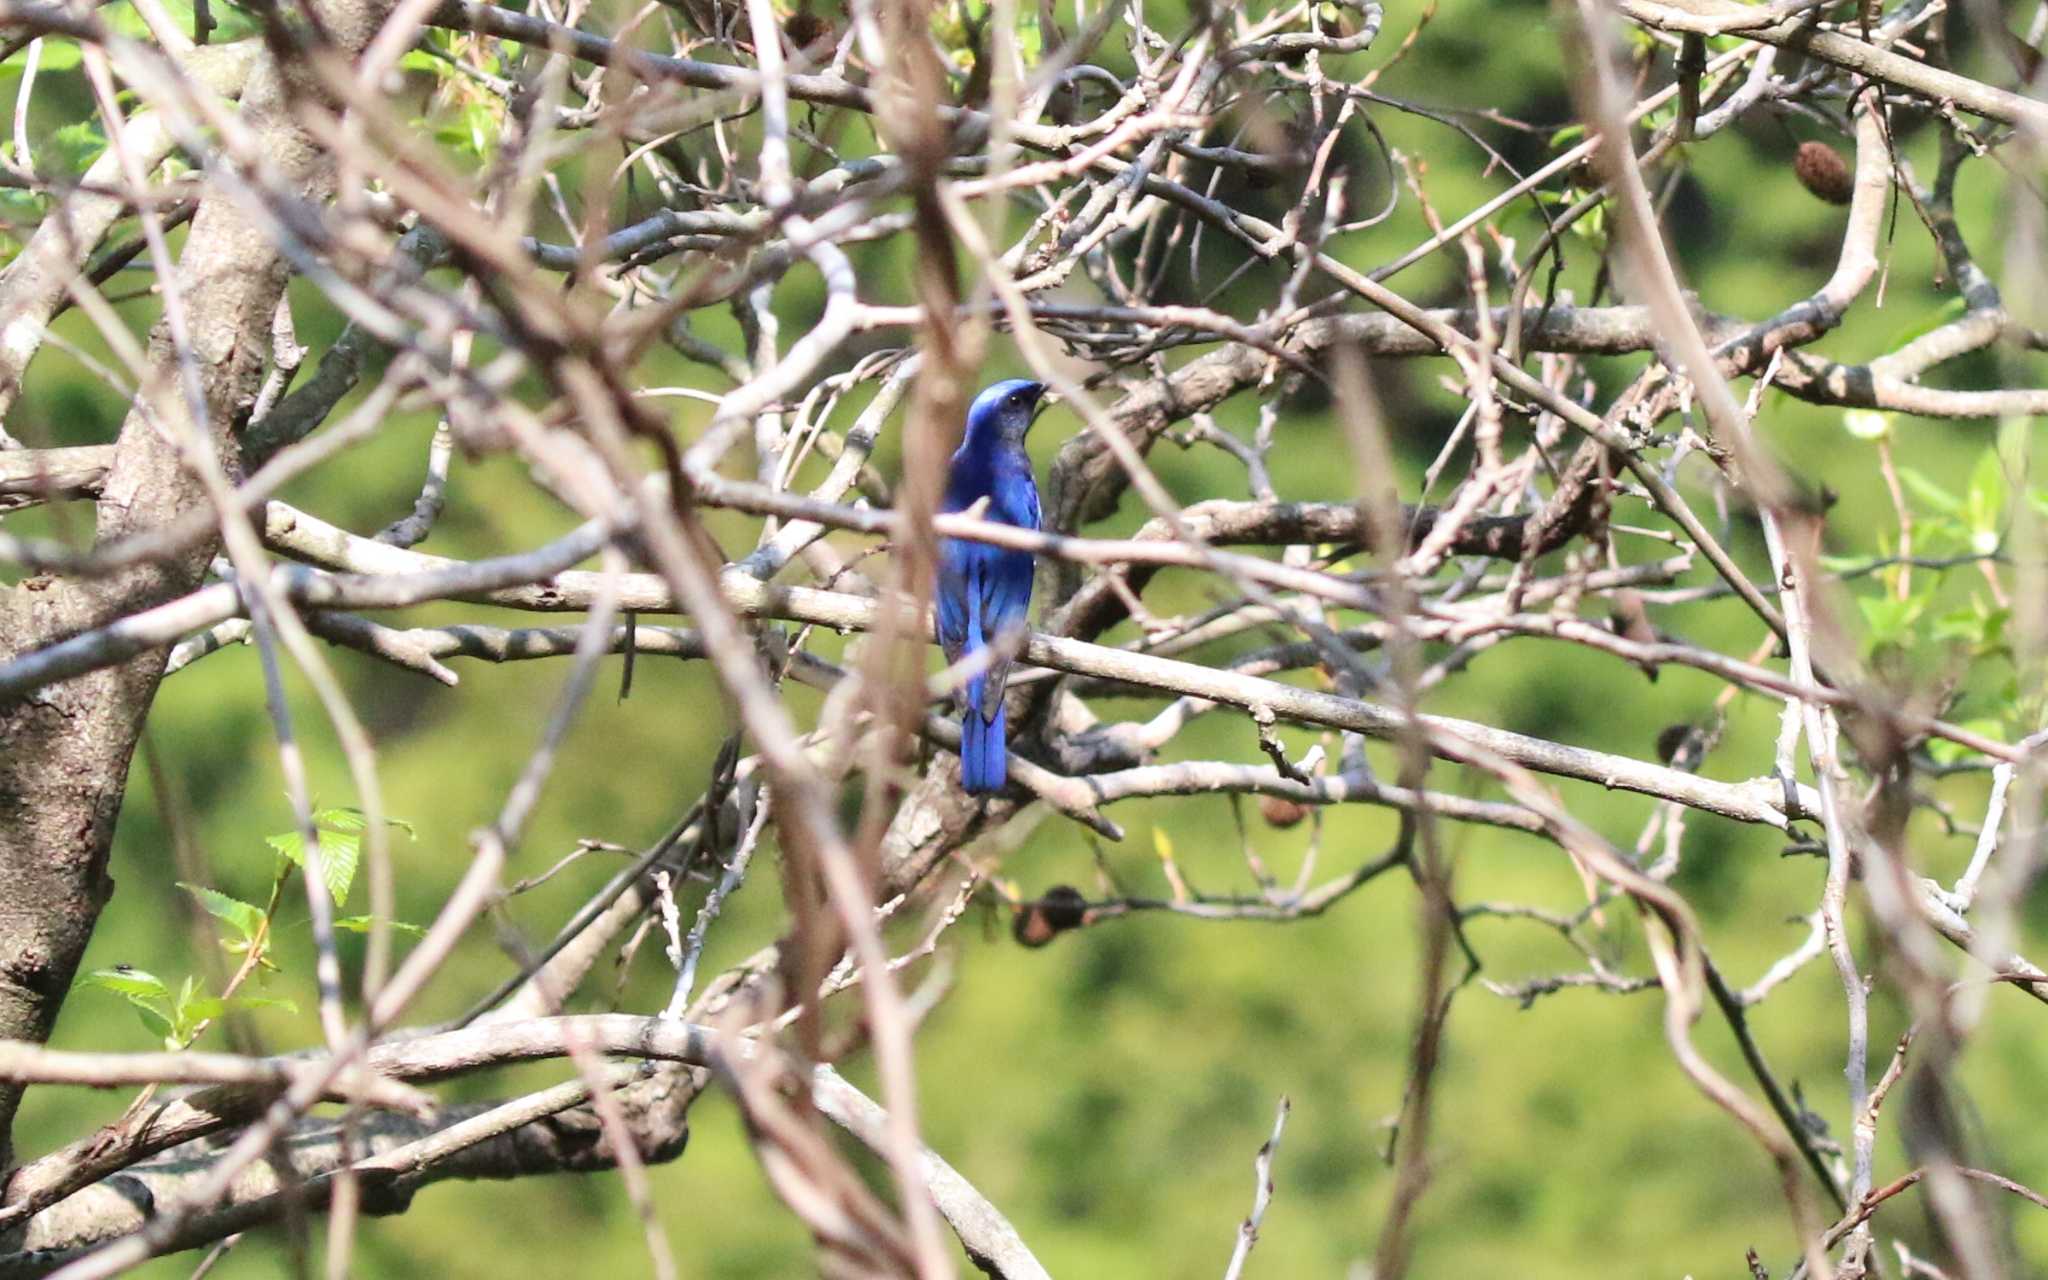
(1004, 410)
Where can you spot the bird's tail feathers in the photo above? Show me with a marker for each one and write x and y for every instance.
(984, 751)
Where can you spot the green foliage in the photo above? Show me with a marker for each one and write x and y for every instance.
(363, 924)
(250, 923)
(1108, 1091)
(73, 148)
(231, 21)
(341, 846)
(962, 31)
(57, 55)
(1949, 616)
(1590, 227)
(175, 1015)
(460, 114)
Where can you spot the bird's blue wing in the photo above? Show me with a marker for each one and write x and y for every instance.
(1004, 584)
(952, 598)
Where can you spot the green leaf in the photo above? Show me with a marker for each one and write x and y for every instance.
(1984, 505)
(339, 852)
(362, 924)
(1887, 618)
(1031, 41)
(2015, 445)
(159, 1026)
(341, 846)
(1940, 536)
(230, 22)
(1946, 313)
(58, 55)
(1980, 626)
(245, 918)
(147, 994)
(133, 984)
(212, 1008)
(351, 819)
(75, 146)
(1930, 493)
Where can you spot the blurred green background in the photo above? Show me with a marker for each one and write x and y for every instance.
(1109, 1091)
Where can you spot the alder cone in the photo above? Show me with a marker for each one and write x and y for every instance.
(1279, 811)
(1822, 171)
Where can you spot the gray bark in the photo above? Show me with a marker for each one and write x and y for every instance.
(65, 750)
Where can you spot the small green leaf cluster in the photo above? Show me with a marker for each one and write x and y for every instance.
(1918, 607)
(176, 1015)
(179, 1014)
(462, 112)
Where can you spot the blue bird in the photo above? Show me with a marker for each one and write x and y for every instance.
(984, 592)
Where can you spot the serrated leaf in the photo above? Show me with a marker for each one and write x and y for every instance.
(134, 984)
(362, 924)
(340, 852)
(341, 846)
(348, 818)
(245, 918)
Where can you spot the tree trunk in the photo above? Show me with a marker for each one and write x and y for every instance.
(65, 750)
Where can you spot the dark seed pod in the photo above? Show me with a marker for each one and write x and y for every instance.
(1279, 811)
(1675, 740)
(1822, 171)
(1037, 923)
(806, 29)
(1064, 906)
(1031, 928)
